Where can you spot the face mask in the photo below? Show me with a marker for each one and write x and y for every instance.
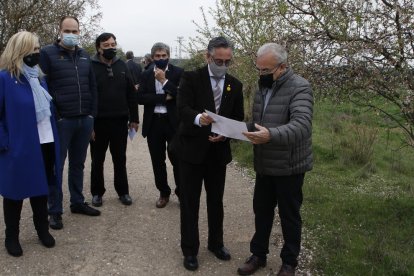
(266, 80)
(70, 40)
(161, 63)
(218, 71)
(32, 59)
(109, 53)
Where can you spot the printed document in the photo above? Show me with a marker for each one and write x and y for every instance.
(228, 127)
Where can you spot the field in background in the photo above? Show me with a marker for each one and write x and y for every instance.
(358, 210)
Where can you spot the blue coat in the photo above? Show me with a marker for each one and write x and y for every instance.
(22, 171)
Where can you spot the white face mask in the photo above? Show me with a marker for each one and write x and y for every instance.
(218, 71)
(70, 40)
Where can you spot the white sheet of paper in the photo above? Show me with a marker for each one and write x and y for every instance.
(131, 133)
(227, 127)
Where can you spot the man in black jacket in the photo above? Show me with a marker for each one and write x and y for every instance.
(157, 92)
(116, 106)
(134, 68)
(204, 155)
(72, 85)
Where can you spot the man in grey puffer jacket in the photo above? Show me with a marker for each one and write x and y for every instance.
(281, 133)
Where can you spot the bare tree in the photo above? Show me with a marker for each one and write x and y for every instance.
(42, 17)
(364, 48)
(247, 24)
(361, 50)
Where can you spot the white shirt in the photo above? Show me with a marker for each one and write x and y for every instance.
(213, 84)
(44, 128)
(160, 108)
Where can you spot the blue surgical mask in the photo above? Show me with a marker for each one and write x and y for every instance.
(70, 40)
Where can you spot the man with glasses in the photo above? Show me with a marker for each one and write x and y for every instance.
(157, 92)
(117, 111)
(281, 133)
(204, 155)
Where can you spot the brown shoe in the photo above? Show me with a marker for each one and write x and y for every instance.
(286, 270)
(162, 201)
(252, 264)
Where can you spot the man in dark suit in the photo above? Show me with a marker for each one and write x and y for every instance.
(134, 68)
(204, 155)
(157, 92)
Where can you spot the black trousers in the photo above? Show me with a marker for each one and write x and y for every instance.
(13, 208)
(192, 177)
(112, 133)
(159, 136)
(48, 153)
(12, 211)
(286, 192)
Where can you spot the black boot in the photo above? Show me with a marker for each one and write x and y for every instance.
(39, 207)
(12, 210)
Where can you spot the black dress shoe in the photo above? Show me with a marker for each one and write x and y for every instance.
(286, 270)
(125, 199)
(84, 209)
(252, 264)
(191, 263)
(55, 221)
(221, 253)
(97, 200)
(162, 201)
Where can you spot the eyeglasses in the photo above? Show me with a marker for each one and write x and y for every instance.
(267, 71)
(110, 72)
(221, 62)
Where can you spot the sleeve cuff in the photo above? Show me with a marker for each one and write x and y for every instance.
(197, 120)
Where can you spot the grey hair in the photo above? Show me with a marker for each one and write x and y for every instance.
(160, 46)
(148, 57)
(219, 42)
(277, 50)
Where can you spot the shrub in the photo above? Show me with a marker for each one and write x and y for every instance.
(357, 144)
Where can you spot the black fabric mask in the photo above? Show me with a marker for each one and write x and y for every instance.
(32, 59)
(266, 80)
(109, 53)
(161, 63)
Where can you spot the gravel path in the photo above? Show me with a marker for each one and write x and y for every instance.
(139, 239)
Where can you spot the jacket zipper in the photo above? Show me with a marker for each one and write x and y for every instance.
(79, 88)
(263, 98)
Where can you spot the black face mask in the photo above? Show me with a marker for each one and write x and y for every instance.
(32, 59)
(266, 80)
(161, 63)
(109, 53)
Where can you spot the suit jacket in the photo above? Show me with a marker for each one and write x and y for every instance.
(195, 95)
(135, 70)
(148, 97)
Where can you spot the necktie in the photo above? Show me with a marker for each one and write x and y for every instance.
(217, 94)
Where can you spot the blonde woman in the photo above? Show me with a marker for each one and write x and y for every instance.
(27, 139)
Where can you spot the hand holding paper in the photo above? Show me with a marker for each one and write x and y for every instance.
(227, 127)
(261, 136)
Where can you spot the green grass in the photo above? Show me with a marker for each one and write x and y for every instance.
(358, 213)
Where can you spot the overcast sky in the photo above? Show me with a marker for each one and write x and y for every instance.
(138, 24)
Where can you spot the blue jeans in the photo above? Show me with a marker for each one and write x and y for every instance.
(74, 136)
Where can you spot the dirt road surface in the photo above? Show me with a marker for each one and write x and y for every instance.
(138, 239)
